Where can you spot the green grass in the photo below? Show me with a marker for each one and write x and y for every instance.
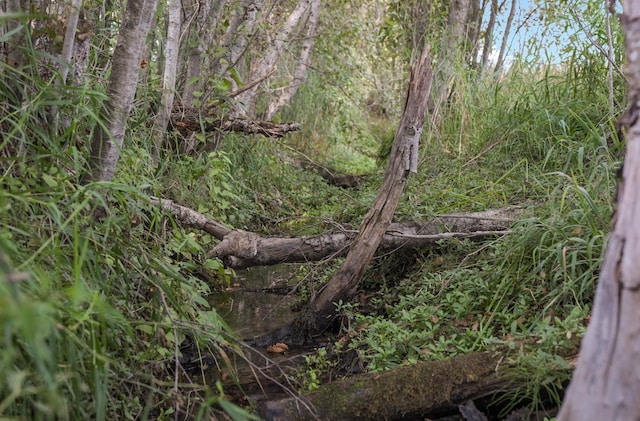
(98, 287)
(542, 141)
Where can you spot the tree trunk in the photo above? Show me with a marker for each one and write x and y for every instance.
(237, 36)
(107, 141)
(13, 41)
(320, 313)
(271, 56)
(241, 249)
(304, 62)
(206, 16)
(404, 160)
(425, 390)
(69, 38)
(462, 21)
(606, 383)
(488, 37)
(505, 37)
(172, 47)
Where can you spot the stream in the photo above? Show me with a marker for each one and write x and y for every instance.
(248, 308)
(251, 308)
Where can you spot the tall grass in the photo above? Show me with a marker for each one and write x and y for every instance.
(540, 139)
(96, 296)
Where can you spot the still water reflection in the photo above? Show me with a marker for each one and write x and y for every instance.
(251, 312)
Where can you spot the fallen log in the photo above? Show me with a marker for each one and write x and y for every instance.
(424, 390)
(240, 249)
(190, 120)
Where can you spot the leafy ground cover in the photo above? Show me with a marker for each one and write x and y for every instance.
(99, 288)
(544, 141)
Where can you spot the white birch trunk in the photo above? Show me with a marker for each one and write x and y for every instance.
(107, 141)
(303, 63)
(271, 56)
(171, 52)
(69, 39)
(235, 38)
(505, 37)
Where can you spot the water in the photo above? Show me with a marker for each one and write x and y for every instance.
(252, 312)
(249, 310)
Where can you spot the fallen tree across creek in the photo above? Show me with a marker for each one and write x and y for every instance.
(240, 249)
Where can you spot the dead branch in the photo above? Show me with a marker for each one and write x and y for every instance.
(241, 249)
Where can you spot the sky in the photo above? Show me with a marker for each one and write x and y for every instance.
(527, 27)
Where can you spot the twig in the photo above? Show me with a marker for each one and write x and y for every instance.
(597, 44)
(252, 83)
(484, 151)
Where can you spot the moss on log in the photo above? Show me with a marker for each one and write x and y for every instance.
(428, 389)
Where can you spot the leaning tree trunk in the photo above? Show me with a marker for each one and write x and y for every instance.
(320, 313)
(108, 139)
(606, 384)
(266, 64)
(404, 159)
(505, 37)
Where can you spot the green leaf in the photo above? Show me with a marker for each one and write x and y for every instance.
(235, 412)
(148, 329)
(214, 264)
(50, 181)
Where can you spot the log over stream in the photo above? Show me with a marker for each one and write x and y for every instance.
(240, 249)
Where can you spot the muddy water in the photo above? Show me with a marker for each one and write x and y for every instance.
(251, 312)
(248, 309)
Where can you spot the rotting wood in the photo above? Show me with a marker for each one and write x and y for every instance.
(240, 249)
(189, 120)
(427, 389)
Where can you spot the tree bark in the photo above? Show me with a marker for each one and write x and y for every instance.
(403, 161)
(304, 62)
(188, 120)
(606, 383)
(206, 14)
(236, 37)
(424, 390)
(241, 249)
(462, 21)
(488, 37)
(107, 141)
(172, 47)
(505, 37)
(69, 39)
(270, 57)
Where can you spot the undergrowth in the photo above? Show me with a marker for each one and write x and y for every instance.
(98, 287)
(541, 141)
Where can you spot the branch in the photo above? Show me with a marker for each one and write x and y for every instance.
(188, 120)
(241, 249)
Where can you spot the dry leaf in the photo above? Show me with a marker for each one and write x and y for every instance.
(279, 348)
